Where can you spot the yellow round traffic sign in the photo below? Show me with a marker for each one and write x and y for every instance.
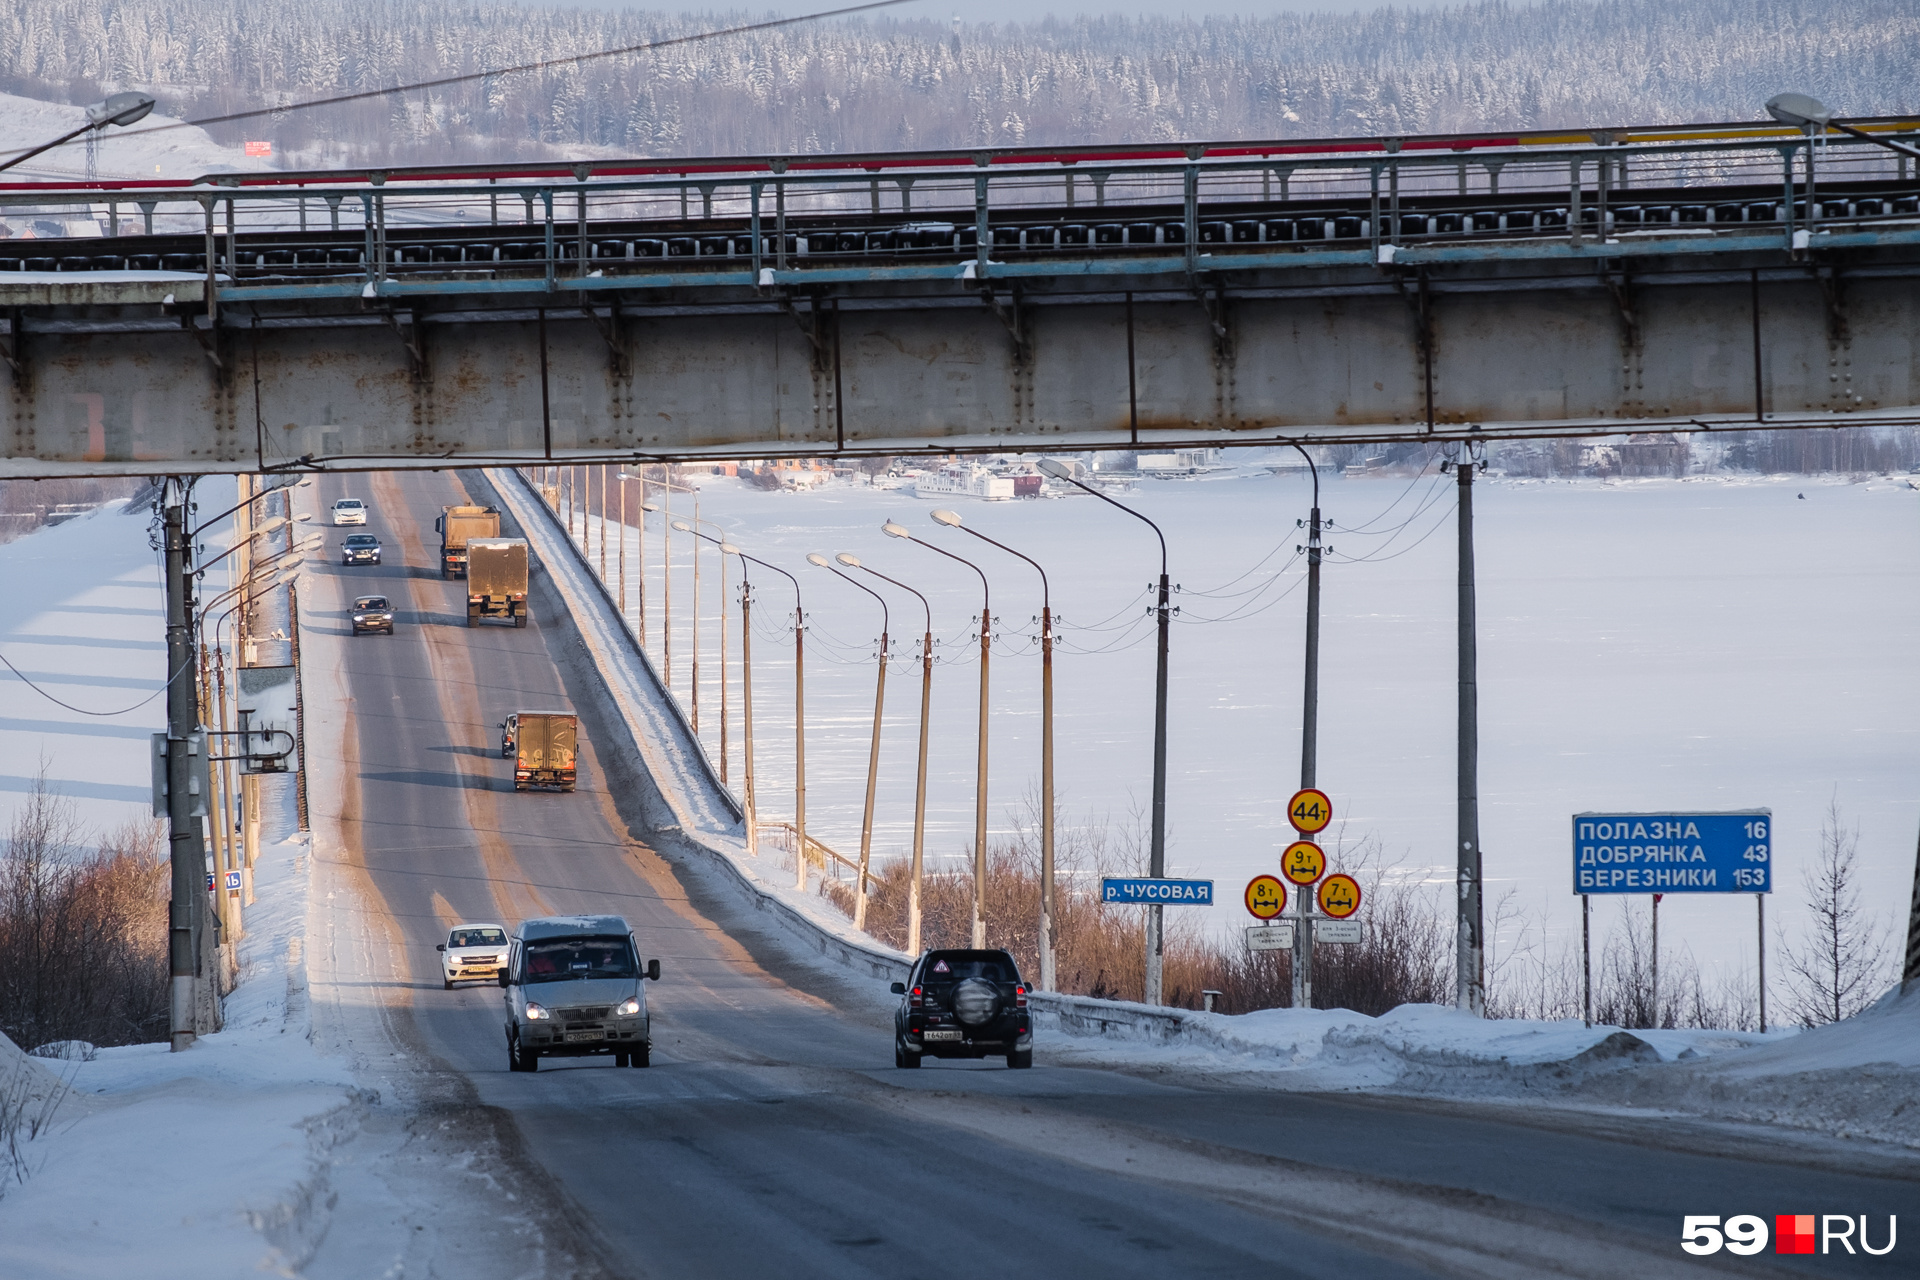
(1339, 895)
(1266, 897)
(1302, 862)
(1309, 811)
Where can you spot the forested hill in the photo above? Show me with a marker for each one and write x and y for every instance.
(885, 83)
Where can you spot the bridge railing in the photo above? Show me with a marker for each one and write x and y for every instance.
(900, 213)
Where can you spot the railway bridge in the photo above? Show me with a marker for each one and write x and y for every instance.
(1697, 278)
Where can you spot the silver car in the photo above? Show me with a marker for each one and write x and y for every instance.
(575, 987)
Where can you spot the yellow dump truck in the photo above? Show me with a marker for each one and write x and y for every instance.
(496, 580)
(458, 526)
(541, 745)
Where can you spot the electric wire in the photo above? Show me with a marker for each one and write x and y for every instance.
(544, 64)
(22, 676)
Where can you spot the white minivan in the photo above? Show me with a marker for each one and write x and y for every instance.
(349, 511)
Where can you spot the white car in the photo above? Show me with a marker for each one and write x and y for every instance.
(349, 511)
(473, 953)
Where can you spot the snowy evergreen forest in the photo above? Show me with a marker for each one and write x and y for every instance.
(889, 83)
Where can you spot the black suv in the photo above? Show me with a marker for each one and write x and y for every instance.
(963, 1004)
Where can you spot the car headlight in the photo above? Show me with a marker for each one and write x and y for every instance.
(628, 1007)
(535, 1012)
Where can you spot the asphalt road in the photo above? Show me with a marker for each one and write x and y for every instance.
(773, 1134)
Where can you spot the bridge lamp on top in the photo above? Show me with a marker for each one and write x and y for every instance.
(120, 109)
(1803, 111)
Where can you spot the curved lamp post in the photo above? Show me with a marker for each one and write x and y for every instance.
(893, 530)
(799, 715)
(920, 786)
(121, 109)
(873, 752)
(1157, 856)
(951, 519)
(1809, 113)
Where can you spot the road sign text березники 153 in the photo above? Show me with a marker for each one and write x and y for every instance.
(1729, 852)
(1146, 891)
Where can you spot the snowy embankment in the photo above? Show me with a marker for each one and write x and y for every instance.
(157, 1164)
(221, 1142)
(1783, 1077)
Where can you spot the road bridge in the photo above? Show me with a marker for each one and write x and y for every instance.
(1474, 286)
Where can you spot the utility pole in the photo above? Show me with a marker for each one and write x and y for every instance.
(1470, 979)
(1909, 972)
(799, 739)
(920, 787)
(746, 702)
(980, 788)
(894, 530)
(1309, 743)
(1157, 855)
(952, 520)
(187, 851)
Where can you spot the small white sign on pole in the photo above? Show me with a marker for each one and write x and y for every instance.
(1277, 936)
(1347, 931)
(269, 719)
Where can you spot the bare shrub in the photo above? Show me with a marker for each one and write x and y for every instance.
(1842, 958)
(27, 1109)
(83, 935)
(1101, 951)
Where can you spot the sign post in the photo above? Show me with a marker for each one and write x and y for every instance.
(1303, 863)
(1730, 851)
(1266, 899)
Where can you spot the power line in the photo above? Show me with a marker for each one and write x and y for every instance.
(543, 65)
(82, 710)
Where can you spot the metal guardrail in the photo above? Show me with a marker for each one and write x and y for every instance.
(827, 854)
(706, 763)
(773, 222)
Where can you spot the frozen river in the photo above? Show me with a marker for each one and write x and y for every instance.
(1699, 644)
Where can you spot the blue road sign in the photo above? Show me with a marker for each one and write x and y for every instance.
(1143, 891)
(1673, 852)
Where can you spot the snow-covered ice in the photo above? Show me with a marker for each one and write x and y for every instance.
(1700, 644)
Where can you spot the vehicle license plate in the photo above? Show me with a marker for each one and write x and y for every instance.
(939, 1034)
(573, 1036)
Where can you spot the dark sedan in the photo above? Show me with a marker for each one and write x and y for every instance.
(360, 548)
(372, 613)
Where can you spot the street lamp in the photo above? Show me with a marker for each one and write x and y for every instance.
(121, 109)
(1809, 113)
(951, 519)
(920, 787)
(684, 527)
(799, 715)
(873, 753)
(893, 530)
(1157, 855)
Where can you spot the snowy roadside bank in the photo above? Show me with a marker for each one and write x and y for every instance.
(1414, 1049)
(165, 1164)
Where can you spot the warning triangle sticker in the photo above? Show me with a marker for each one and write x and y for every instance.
(940, 966)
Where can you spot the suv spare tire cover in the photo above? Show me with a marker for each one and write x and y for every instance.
(974, 1001)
